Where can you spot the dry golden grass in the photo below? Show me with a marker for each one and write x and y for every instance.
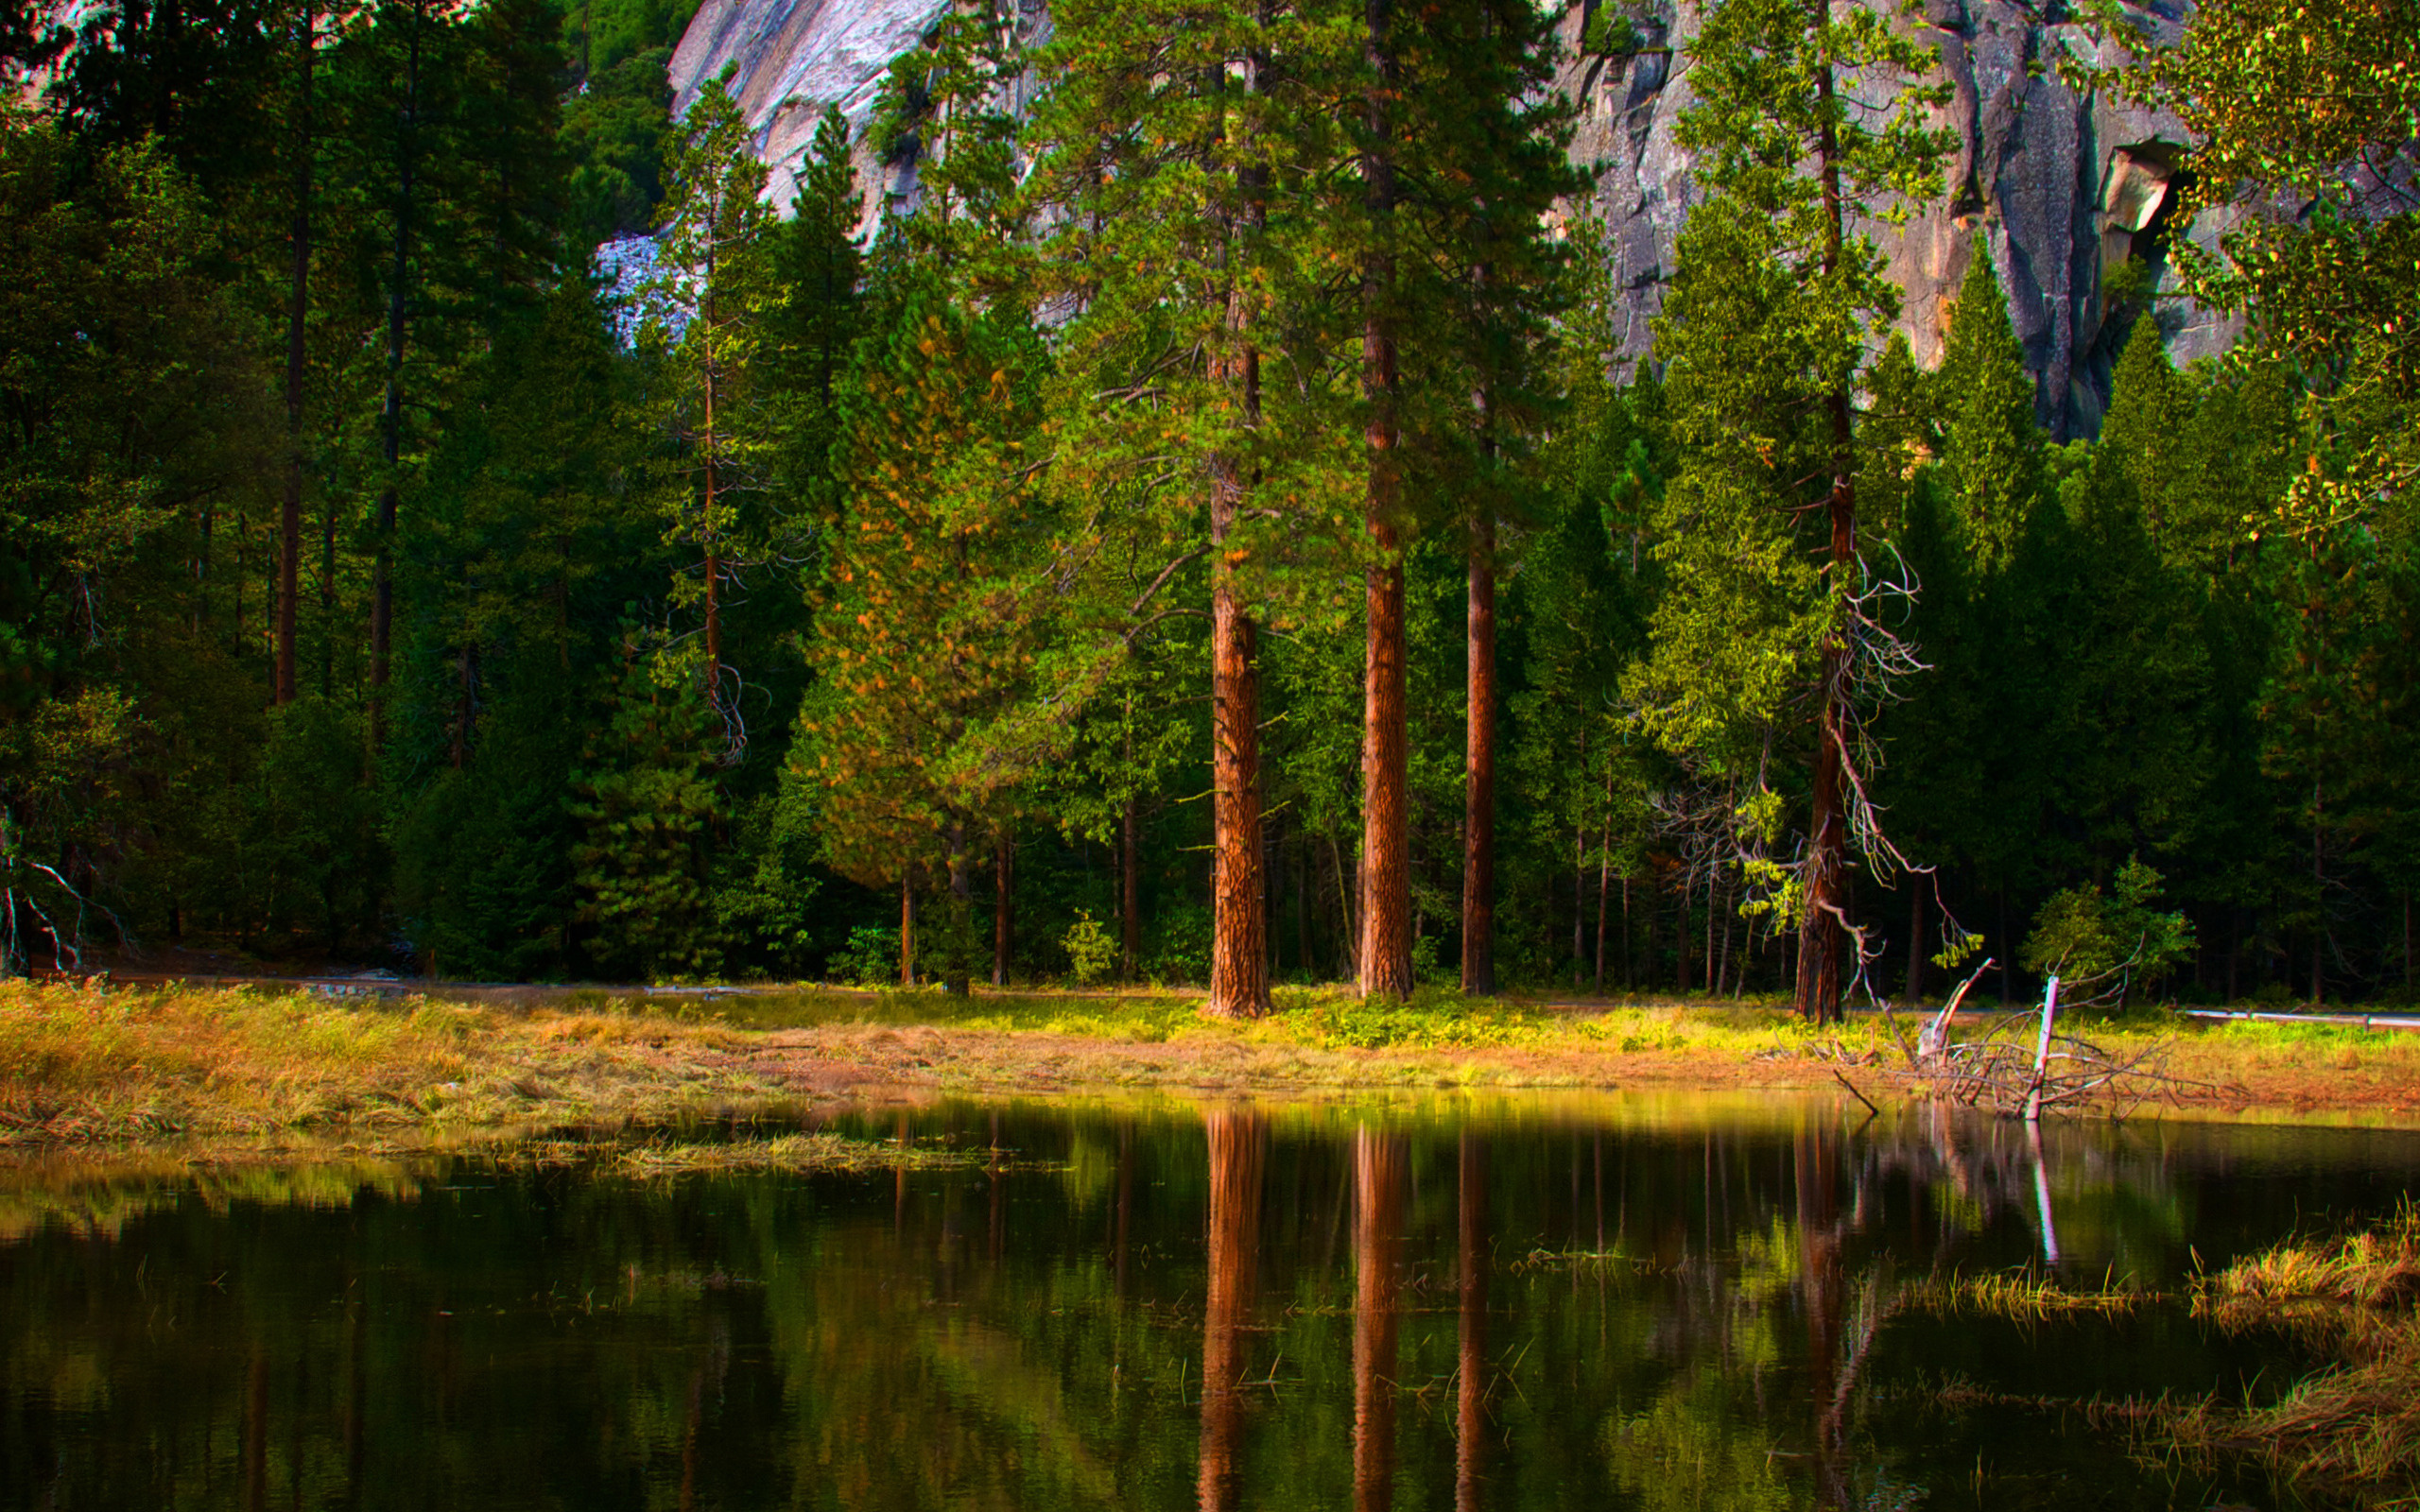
(85, 1064)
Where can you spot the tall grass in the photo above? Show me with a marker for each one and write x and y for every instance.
(2350, 1432)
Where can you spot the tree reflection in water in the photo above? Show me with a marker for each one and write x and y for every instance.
(1470, 1355)
(1282, 1307)
(1380, 1164)
(1239, 1146)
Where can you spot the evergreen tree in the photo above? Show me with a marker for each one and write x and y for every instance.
(1990, 447)
(819, 266)
(1763, 334)
(708, 310)
(1172, 145)
(647, 807)
(929, 618)
(1476, 302)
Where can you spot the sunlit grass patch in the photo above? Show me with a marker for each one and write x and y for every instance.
(87, 1063)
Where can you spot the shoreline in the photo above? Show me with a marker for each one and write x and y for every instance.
(95, 1067)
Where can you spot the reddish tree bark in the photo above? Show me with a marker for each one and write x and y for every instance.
(1004, 882)
(1478, 769)
(1239, 899)
(1386, 809)
(1239, 961)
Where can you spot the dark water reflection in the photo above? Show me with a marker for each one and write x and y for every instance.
(1635, 1304)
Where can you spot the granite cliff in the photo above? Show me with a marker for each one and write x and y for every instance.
(2063, 188)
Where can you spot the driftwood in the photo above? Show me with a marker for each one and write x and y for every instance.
(1997, 1072)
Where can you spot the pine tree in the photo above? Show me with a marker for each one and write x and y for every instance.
(1763, 334)
(1473, 299)
(1172, 146)
(709, 308)
(1992, 449)
(930, 617)
(821, 267)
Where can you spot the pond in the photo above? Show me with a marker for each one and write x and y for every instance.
(1654, 1302)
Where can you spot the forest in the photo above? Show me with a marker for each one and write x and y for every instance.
(1202, 534)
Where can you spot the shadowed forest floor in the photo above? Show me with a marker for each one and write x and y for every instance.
(110, 1064)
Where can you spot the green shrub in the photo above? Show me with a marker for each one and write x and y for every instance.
(1091, 954)
(870, 959)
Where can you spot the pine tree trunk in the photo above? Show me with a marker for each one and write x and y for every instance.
(1478, 769)
(1130, 887)
(1239, 922)
(1579, 906)
(1604, 877)
(1386, 809)
(1238, 960)
(956, 980)
(1629, 960)
(1821, 934)
(907, 932)
(289, 534)
(1004, 885)
(2318, 900)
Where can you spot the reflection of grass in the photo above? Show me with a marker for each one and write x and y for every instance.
(1582, 1263)
(2019, 1298)
(2352, 1430)
(791, 1151)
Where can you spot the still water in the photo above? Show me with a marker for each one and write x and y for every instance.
(1653, 1303)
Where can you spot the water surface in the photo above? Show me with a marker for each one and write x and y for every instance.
(1653, 1303)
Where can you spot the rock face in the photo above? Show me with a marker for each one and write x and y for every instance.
(2064, 189)
(794, 57)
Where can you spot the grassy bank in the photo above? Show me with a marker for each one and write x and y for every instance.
(91, 1063)
(79, 1064)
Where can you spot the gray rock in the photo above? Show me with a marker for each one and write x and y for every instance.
(2062, 188)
